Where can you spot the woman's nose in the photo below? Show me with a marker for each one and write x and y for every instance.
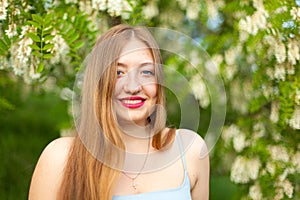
(132, 84)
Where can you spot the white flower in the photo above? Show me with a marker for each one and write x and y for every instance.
(192, 10)
(127, 9)
(294, 122)
(297, 97)
(71, 1)
(270, 168)
(296, 161)
(3, 10)
(290, 69)
(24, 50)
(259, 130)
(182, 3)
(270, 41)
(279, 193)
(33, 74)
(59, 50)
(150, 10)
(212, 10)
(278, 153)
(280, 52)
(293, 52)
(66, 94)
(239, 142)
(11, 31)
(252, 24)
(21, 53)
(295, 13)
(267, 90)
(230, 56)
(274, 115)
(230, 71)
(270, 73)
(255, 192)
(3, 62)
(199, 90)
(259, 20)
(16, 11)
(279, 72)
(86, 7)
(114, 7)
(99, 5)
(287, 187)
(243, 170)
(230, 132)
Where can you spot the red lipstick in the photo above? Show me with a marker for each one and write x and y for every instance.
(133, 101)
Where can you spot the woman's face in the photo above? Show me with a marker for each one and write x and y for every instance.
(135, 93)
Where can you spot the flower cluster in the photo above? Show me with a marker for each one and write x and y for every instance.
(261, 71)
(113, 7)
(245, 169)
(3, 9)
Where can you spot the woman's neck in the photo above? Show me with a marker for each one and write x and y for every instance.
(135, 137)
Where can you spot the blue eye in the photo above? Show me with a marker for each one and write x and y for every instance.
(119, 73)
(148, 72)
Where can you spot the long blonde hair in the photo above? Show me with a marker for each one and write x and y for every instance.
(98, 136)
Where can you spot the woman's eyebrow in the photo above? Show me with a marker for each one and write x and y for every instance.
(148, 63)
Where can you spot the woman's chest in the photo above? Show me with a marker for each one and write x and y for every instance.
(170, 177)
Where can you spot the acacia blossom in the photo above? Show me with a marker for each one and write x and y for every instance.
(3, 9)
(245, 169)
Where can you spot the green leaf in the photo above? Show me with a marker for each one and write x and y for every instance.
(48, 20)
(37, 19)
(37, 53)
(34, 37)
(47, 56)
(70, 33)
(48, 46)
(73, 38)
(47, 30)
(65, 27)
(7, 40)
(78, 45)
(3, 46)
(40, 67)
(74, 55)
(35, 24)
(48, 37)
(35, 47)
(4, 103)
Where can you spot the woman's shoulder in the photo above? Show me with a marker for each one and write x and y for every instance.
(57, 150)
(192, 142)
(49, 169)
(197, 159)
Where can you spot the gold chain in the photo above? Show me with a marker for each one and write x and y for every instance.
(134, 185)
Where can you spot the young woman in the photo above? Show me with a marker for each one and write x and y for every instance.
(123, 149)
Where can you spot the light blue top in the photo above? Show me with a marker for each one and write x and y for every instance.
(180, 193)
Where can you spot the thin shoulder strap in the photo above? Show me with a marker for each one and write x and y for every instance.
(181, 150)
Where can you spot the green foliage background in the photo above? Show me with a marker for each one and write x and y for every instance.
(254, 44)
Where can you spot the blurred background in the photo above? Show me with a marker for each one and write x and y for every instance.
(251, 46)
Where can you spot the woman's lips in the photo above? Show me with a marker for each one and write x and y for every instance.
(133, 102)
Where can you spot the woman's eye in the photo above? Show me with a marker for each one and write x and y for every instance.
(148, 72)
(119, 73)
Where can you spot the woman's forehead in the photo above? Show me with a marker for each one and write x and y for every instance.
(133, 45)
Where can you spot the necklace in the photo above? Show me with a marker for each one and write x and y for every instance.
(134, 184)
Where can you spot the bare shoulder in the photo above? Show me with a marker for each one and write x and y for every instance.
(197, 159)
(193, 143)
(49, 169)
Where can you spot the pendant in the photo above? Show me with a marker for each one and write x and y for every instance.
(134, 185)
